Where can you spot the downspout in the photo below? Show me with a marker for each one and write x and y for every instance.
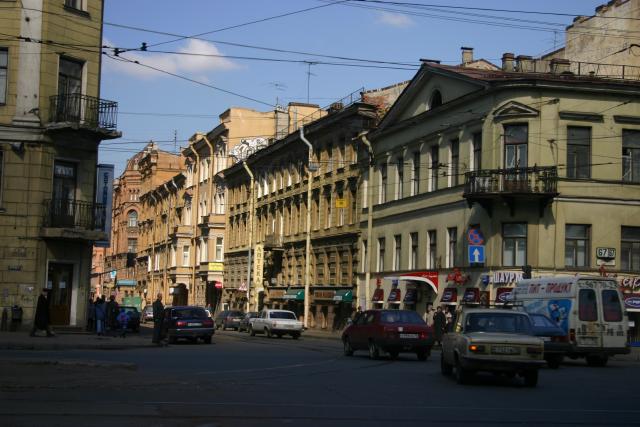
(307, 262)
(251, 221)
(210, 177)
(195, 223)
(153, 246)
(168, 249)
(367, 262)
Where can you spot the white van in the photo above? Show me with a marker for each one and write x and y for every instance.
(588, 308)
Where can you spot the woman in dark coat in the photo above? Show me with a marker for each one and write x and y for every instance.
(41, 320)
(439, 325)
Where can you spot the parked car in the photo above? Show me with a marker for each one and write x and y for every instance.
(228, 319)
(246, 320)
(147, 314)
(134, 318)
(492, 340)
(187, 322)
(390, 331)
(276, 322)
(556, 342)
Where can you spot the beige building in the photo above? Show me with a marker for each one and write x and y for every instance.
(268, 206)
(479, 173)
(51, 123)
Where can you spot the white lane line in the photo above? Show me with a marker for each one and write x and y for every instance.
(273, 368)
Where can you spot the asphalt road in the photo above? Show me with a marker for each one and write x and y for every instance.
(256, 381)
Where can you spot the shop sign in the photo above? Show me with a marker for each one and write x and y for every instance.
(449, 295)
(216, 266)
(632, 301)
(218, 285)
(471, 295)
(411, 296)
(503, 295)
(324, 294)
(457, 277)
(506, 276)
(342, 203)
(258, 264)
(378, 295)
(395, 296)
(276, 293)
(630, 282)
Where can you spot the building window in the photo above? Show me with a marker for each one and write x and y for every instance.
(381, 249)
(477, 151)
(74, 4)
(365, 189)
(185, 256)
(514, 244)
(434, 168)
(4, 69)
(397, 252)
(132, 246)
(432, 243)
(132, 219)
(328, 211)
(578, 152)
(436, 99)
(415, 174)
(516, 138)
(157, 261)
(354, 205)
(576, 245)
(173, 256)
(70, 81)
(413, 260)
(630, 248)
(383, 184)
(1, 174)
(452, 246)
(630, 155)
(399, 178)
(329, 158)
(455, 162)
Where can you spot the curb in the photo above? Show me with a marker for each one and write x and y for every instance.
(83, 363)
(33, 347)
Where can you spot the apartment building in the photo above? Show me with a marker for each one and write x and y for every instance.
(52, 120)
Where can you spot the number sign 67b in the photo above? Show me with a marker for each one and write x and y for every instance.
(605, 252)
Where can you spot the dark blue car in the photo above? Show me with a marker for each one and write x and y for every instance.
(556, 341)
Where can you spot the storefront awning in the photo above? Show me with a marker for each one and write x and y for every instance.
(449, 295)
(411, 296)
(126, 282)
(395, 296)
(294, 295)
(631, 302)
(343, 295)
(378, 295)
(429, 278)
(471, 295)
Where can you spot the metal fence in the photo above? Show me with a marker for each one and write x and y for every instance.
(85, 110)
(65, 213)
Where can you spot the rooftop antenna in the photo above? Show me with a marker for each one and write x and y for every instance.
(309, 74)
(175, 140)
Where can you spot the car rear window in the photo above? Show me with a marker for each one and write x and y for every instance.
(611, 306)
(410, 317)
(498, 322)
(588, 306)
(235, 314)
(282, 315)
(190, 313)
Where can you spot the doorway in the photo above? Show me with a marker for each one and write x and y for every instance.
(60, 283)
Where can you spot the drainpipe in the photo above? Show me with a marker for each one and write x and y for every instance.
(367, 262)
(210, 177)
(307, 262)
(251, 221)
(153, 246)
(195, 223)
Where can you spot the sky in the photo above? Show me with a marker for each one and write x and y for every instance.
(215, 70)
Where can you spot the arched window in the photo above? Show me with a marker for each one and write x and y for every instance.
(436, 99)
(133, 219)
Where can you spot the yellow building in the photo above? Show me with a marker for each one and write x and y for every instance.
(51, 123)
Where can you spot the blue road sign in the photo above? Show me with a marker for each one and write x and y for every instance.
(476, 254)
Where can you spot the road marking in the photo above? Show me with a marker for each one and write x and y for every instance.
(273, 368)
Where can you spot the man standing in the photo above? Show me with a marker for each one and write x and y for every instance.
(158, 317)
(112, 314)
(428, 316)
(439, 325)
(41, 320)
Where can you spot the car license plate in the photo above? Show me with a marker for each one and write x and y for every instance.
(194, 324)
(504, 349)
(410, 336)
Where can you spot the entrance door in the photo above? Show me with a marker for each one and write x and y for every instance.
(64, 194)
(60, 279)
(515, 156)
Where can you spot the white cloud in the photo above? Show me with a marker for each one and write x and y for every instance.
(394, 20)
(187, 65)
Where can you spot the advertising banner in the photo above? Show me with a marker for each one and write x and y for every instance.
(102, 210)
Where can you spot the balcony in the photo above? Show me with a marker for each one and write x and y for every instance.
(273, 241)
(181, 231)
(84, 111)
(511, 186)
(74, 219)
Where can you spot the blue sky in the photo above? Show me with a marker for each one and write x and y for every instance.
(157, 106)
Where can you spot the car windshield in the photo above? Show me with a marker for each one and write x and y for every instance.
(410, 317)
(234, 314)
(512, 323)
(190, 313)
(282, 315)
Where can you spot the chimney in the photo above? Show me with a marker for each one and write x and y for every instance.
(467, 55)
(560, 66)
(507, 62)
(525, 64)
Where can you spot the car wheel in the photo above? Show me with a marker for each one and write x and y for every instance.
(597, 361)
(348, 350)
(251, 331)
(207, 339)
(173, 340)
(422, 355)
(374, 351)
(531, 378)
(267, 332)
(445, 368)
(295, 335)
(393, 354)
(462, 375)
(554, 361)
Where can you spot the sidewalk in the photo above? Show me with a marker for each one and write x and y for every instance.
(73, 341)
(322, 334)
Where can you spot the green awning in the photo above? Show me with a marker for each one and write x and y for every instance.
(344, 295)
(126, 282)
(294, 294)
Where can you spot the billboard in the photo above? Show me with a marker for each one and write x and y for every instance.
(104, 200)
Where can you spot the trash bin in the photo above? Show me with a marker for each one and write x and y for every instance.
(16, 317)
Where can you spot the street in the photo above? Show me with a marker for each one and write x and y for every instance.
(256, 381)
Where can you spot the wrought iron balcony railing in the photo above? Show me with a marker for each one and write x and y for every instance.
(84, 110)
(533, 180)
(62, 213)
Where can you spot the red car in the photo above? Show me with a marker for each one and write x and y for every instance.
(391, 331)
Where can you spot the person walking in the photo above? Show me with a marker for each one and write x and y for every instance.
(101, 314)
(41, 321)
(449, 317)
(123, 322)
(158, 317)
(91, 316)
(428, 316)
(112, 314)
(439, 325)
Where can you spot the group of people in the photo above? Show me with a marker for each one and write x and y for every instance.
(107, 317)
(441, 320)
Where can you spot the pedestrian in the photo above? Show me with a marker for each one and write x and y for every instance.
(91, 316)
(41, 321)
(158, 317)
(428, 316)
(101, 314)
(439, 325)
(123, 322)
(112, 314)
(449, 317)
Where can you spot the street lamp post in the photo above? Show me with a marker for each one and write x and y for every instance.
(307, 264)
(251, 220)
